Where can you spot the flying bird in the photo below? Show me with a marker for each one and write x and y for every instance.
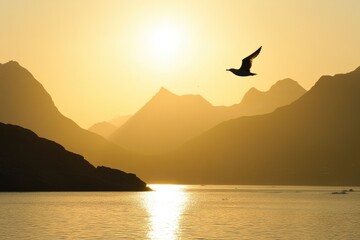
(244, 70)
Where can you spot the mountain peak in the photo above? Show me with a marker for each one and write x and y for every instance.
(164, 92)
(337, 85)
(17, 81)
(10, 63)
(253, 90)
(286, 84)
(284, 81)
(283, 85)
(328, 79)
(283, 92)
(172, 99)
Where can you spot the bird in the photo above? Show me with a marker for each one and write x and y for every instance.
(244, 70)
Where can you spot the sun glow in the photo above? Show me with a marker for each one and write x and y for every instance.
(165, 41)
(163, 44)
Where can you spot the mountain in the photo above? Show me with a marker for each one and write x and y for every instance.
(25, 102)
(107, 128)
(167, 121)
(282, 93)
(31, 163)
(104, 129)
(313, 141)
(119, 121)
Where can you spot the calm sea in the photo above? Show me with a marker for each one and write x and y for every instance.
(184, 212)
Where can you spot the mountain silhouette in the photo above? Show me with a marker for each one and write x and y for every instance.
(25, 102)
(313, 141)
(167, 121)
(119, 121)
(104, 129)
(282, 93)
(31, 163)
(164, 123)
(107, 128)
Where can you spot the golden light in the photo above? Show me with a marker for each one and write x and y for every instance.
(166, 188)
(165, 206)
(163, 44)
(165, 41)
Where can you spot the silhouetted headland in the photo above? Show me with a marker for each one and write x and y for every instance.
(31, 163)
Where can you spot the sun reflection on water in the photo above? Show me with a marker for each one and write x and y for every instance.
(165, 207)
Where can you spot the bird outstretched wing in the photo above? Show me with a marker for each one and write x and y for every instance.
(247, 62)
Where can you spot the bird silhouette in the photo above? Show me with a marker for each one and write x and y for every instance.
(244, 70)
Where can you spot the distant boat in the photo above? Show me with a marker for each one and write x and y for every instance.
(341, 192)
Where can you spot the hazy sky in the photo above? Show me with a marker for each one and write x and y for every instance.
(102, 59)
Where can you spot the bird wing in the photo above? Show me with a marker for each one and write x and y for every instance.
(247, 62)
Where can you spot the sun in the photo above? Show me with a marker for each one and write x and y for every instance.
(163, 45)
(165, 41)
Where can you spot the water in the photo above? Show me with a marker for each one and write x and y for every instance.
(184, 212)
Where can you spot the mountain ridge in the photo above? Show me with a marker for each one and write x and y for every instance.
(312, 141)
(281, 93)
(164, 122)
(168, 120)
(301, 143)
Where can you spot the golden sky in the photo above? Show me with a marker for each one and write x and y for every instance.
(102, 59)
